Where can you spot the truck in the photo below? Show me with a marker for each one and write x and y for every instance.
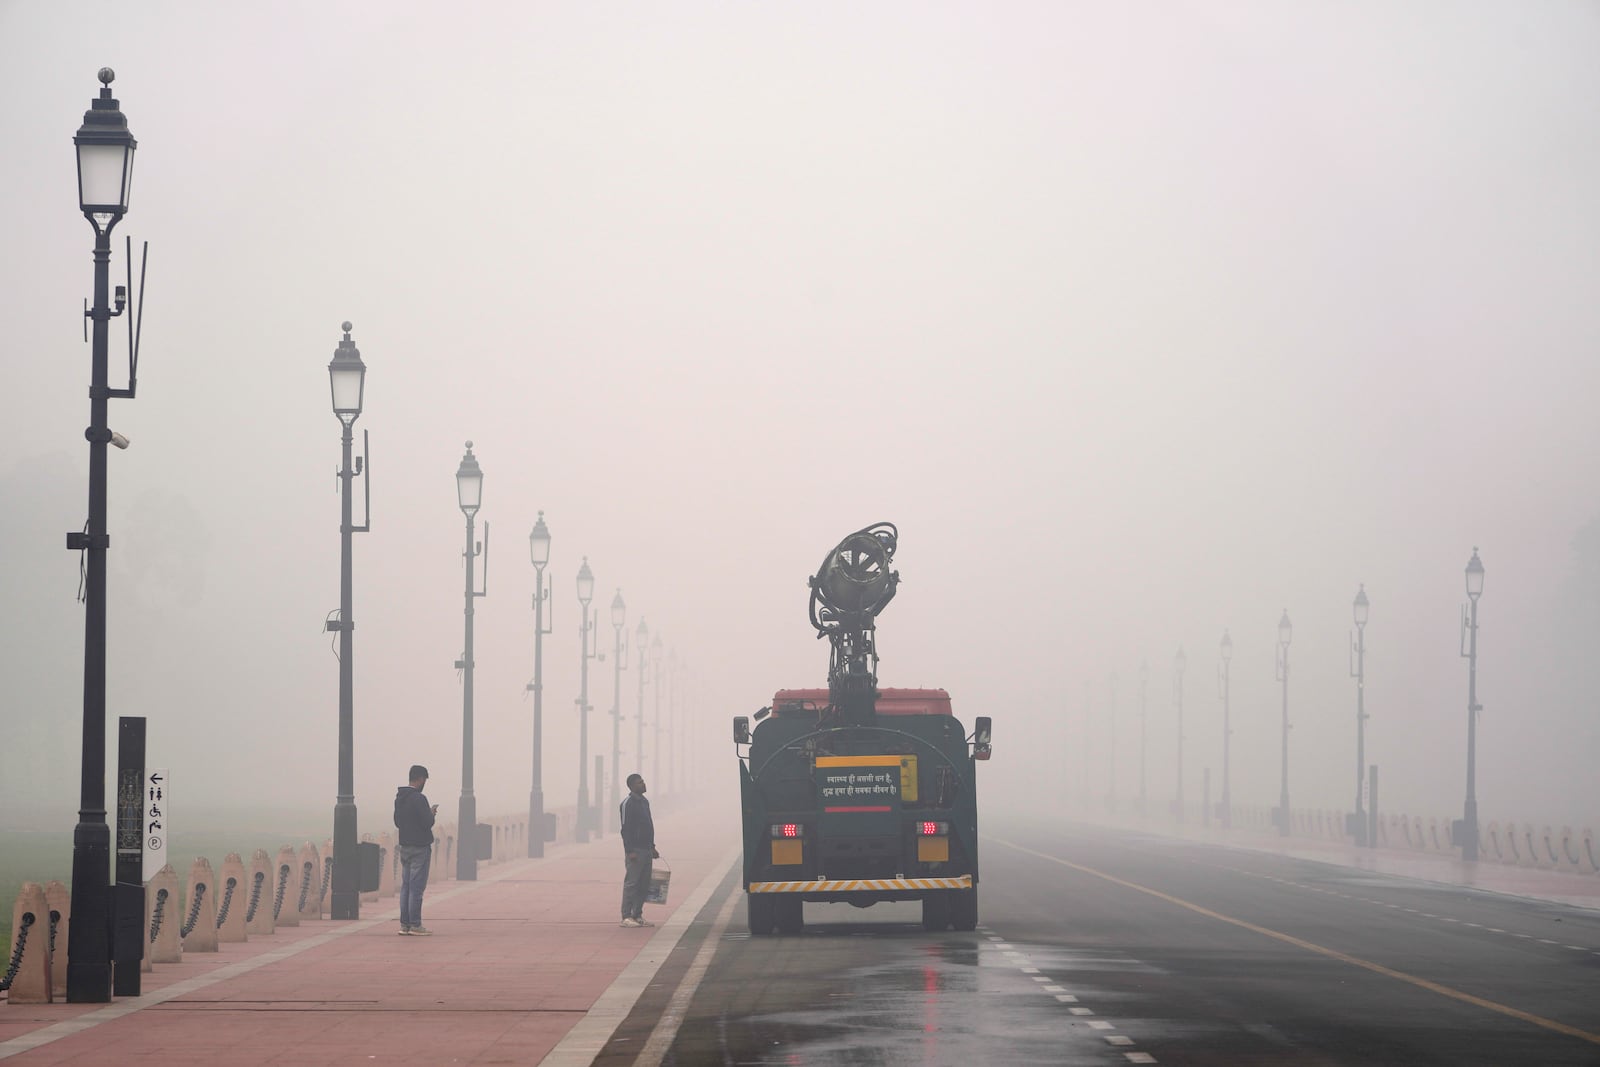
(853, 793)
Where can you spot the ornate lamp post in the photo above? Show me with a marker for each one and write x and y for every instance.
(585, 595)
(1227, 729)
(1468, 837)
(643, 636)
(1179, 663)
(1285, 633)
(347, 377)
(539, 552)
(1358, 669)
(469, 494)
(1144, 679)
(655, 676)
(105, 172)
(619, 619)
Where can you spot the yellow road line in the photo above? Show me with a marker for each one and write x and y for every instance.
(1322, 950)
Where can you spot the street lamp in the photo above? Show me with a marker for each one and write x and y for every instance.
(469, 494)
(1227, 729)
(105, 171)
(585, 595)
(1358, 670)
(1179, 662)
(1144, 678)
(1285, 633)
(643, 635)
(539, 553)
(655, 677)
(347, 377)
(1468, 834)
(619, 619)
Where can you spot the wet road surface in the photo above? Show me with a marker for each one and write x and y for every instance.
(1108, 947)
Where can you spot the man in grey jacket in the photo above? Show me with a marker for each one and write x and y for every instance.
(414, 816)
(638, 849)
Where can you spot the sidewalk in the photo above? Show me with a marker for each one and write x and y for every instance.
(517, 959)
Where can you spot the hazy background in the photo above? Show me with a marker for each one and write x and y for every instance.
(1140, 320)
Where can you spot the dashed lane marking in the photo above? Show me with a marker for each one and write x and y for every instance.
(1321, 950)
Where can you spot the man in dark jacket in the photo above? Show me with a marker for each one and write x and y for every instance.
(414, 816)
(638, 849)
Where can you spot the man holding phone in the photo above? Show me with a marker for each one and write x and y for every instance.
(414, 816)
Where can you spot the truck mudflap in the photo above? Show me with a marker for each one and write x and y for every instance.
(863, 885)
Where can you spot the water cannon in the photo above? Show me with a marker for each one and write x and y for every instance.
(853, 584)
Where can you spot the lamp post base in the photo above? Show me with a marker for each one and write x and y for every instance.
(536, 825)
(89, 926)
(346, 900)
(467, 841)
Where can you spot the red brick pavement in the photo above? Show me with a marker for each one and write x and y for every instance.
(516, 960)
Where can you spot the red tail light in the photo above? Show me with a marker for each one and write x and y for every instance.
(788, 829)
(933, 829)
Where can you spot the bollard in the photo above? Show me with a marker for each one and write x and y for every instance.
(1590, 853)
(199, 929)
(258, 906)
(388, 858)
(1530, 847)
(325, 874)
(161, 892)
(305, 886)
(233, 891)
(445, 844)
(58, 900)
(285, 888)
(27, 973)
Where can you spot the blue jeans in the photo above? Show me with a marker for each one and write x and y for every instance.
(414, 861)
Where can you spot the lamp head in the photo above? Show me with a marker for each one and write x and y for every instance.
(1227, 647)
(1180, 661)
(1474, 575)
(585, 583)
(347, 377)
(469, 483)
(1285, 630)
(619, 611)
(105, 156)
(644, 635)
(539, 543)
(1359, 608)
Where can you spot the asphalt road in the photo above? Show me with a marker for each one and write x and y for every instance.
(1099, 947)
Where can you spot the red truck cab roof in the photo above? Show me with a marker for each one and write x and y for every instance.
(890, 701)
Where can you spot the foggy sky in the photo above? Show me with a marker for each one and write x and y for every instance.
(1140, 321)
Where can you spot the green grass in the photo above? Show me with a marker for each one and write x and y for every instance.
(45, 855)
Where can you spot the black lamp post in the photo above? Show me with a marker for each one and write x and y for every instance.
(1358, 669)
(347, 377)
(539, 552)
(1144, 678)
(1469, 625)
(1179, 662)
(105, 171)
(585, 595)
(469, 494)
(619, 619)
(1227, 729)
(655, 678)
(643, 636)
(1285, 632)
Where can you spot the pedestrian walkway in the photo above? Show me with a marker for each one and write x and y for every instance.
(517, 959)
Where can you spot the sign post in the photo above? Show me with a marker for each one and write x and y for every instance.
(127, 898)
(155, 822)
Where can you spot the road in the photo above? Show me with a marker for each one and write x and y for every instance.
(1110, 947)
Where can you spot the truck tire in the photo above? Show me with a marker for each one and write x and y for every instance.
(964, 909)
(936, 911)
(759, 913)
(790, 914)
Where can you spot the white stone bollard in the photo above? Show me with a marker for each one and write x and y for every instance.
(233, 900)
(388, 857)
(161, 895)
(305, 887)
(258, 902)
(199, 929)
(286, 888)
(58, 899)
(30, 923)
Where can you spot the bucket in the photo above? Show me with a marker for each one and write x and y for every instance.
(660, 877)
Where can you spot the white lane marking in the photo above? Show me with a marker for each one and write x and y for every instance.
(666, 1028)
(1479, 926)
(1080, 1011)
(1035, 970)
(1576, 948)
(1118, 1039)
(1547, 941)
(1054, 989)
(1494, 929)
(1066, 998)
(1041, 978)
(585, 1040)
(1140, 1057)
(1100, 1024)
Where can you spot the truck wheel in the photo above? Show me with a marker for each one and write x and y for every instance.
(936, 911)
(759, 913)
(964, 909)
(791, 916)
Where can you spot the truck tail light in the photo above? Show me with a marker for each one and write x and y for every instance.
(788, 829)
(933, 829)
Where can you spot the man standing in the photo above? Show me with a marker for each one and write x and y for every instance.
(414, 816)
(638, 849)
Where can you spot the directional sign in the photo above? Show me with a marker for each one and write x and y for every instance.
(157, 793)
